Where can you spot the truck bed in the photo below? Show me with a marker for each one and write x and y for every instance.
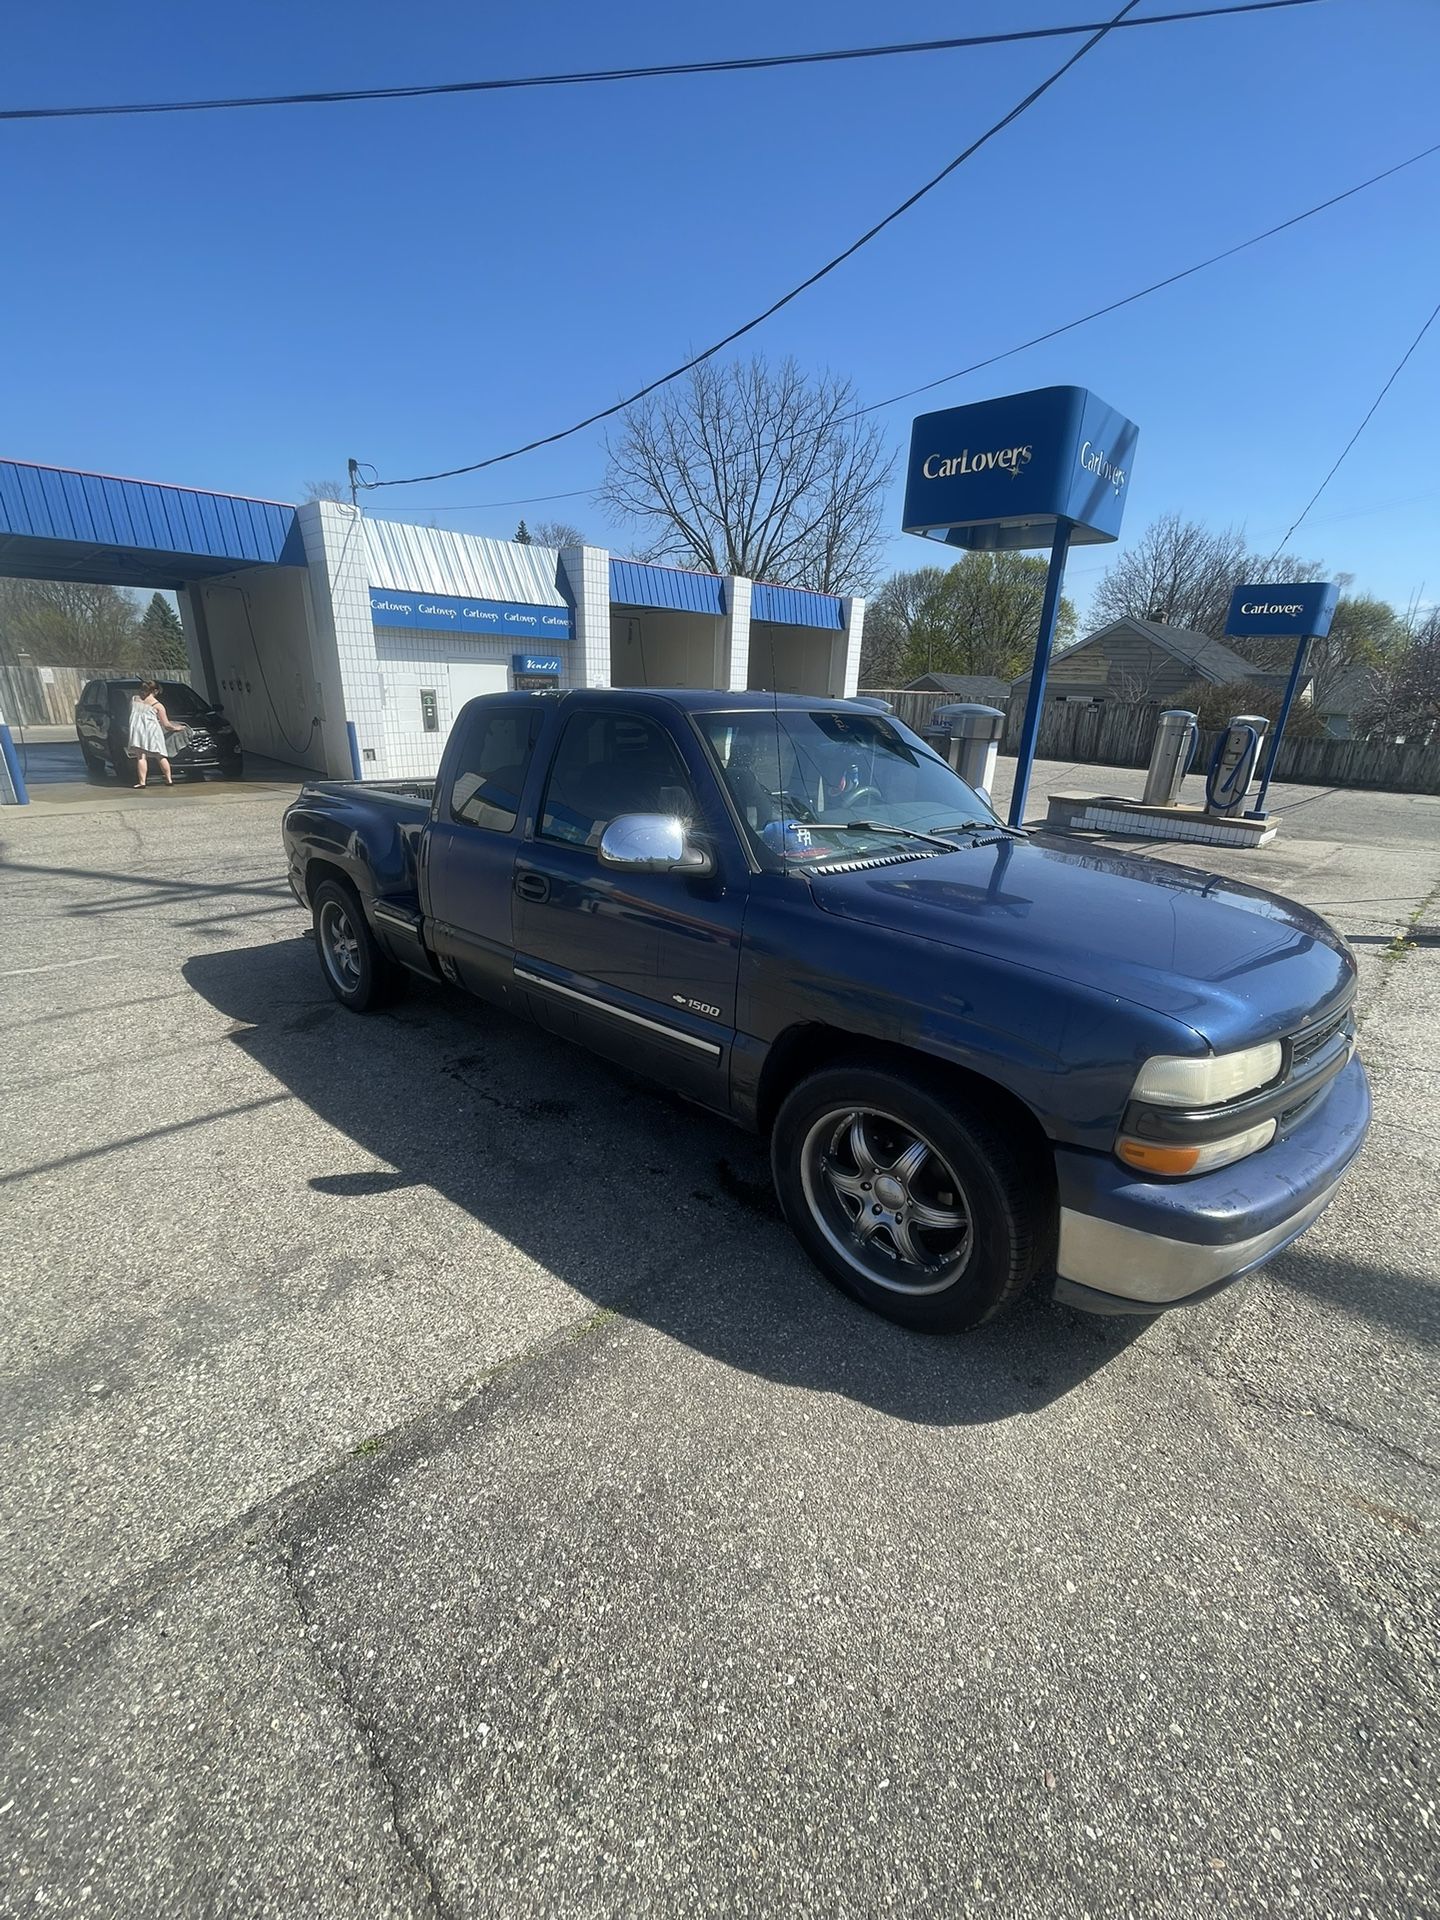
(421, 792)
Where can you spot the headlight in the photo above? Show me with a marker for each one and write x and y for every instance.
(1153, 1156)
(1173, 1080)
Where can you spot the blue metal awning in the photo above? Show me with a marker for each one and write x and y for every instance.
(634, 584)
(796, 607)
(56, 524)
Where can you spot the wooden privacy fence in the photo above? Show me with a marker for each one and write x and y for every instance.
(1118, 735)
(46, 696)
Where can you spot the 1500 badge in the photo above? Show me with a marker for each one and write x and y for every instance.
(696, 1006)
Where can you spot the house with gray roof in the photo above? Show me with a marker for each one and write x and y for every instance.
(982, 688)
(1139, 660)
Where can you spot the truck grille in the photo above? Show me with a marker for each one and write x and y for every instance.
(1306, 1044)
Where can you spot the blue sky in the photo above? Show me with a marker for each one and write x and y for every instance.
(242, 300)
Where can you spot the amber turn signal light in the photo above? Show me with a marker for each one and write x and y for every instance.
(1153, 1159)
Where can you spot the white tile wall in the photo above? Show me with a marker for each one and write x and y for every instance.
(1215, 833)
(853, 611)
(738, 591)
(340, 598)
(587, 573)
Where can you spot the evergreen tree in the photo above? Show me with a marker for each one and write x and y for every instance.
(162, 638)
(523, 536)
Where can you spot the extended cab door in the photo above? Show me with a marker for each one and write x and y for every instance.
(468, 854)
(641, 967)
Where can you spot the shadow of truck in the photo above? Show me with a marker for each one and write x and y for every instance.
(631, 1197)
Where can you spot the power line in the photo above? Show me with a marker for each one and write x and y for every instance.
(601, 76)
(605, 413)
(1394, 376)
(477, 506)
(1113, 306)
(1038, 339)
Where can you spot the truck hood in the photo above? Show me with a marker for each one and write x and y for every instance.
(1231, 961)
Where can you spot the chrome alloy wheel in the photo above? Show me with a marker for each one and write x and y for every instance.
(339, 946)
(886, 1200)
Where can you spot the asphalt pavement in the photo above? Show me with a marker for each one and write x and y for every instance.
(436, 1483)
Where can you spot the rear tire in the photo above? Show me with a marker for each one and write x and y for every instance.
(925, 1211)
(94, 762)
(359, 975)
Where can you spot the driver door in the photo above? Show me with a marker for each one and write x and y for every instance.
(641, 967)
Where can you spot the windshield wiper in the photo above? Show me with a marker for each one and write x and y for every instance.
(985, 826)
(880, 826)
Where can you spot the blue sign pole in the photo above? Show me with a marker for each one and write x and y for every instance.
(1030, 470)
(12, 766)
(1044, 642)
(1264, 609)
(1292, 687)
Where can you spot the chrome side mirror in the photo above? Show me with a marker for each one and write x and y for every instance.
(650, 843)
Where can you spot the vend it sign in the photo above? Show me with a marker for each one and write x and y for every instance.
(1002, 475)
(1303, 610)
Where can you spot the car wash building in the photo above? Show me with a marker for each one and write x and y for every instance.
(345, 645)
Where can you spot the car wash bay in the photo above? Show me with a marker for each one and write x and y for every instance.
(238, 570)
(344, 645)
(673, 628)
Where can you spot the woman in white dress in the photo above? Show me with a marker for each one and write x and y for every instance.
(149, 723)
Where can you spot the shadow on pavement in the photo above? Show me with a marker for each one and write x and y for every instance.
(637, 1200)
(1404, 1303)
(149, 888)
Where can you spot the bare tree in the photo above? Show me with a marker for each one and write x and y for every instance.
(744, 469)
(328, 490)
(557, 533)
(1184, 573)
(1406, 702)
(65, 623)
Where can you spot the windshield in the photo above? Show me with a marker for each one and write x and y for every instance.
(180, 701)
(804, 781)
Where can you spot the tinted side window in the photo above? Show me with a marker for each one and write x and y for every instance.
(608, 764)
(494, 760)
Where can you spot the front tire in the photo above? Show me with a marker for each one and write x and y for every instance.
(233, 769)
(908, 1198)
(359, 975)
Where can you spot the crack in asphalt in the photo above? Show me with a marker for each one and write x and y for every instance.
(60, 1648)
(1301, 1409)
(334, 1671)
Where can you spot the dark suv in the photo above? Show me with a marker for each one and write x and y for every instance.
(102, 721)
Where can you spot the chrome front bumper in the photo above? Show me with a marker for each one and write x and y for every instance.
(1131, 1245)
(1122, 1270)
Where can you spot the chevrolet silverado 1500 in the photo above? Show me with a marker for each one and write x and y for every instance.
(979, 1055)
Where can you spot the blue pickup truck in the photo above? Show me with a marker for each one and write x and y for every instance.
(980, 1055)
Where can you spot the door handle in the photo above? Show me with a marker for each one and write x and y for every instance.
(532, 886)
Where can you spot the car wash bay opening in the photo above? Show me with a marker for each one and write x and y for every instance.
(345, 645)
